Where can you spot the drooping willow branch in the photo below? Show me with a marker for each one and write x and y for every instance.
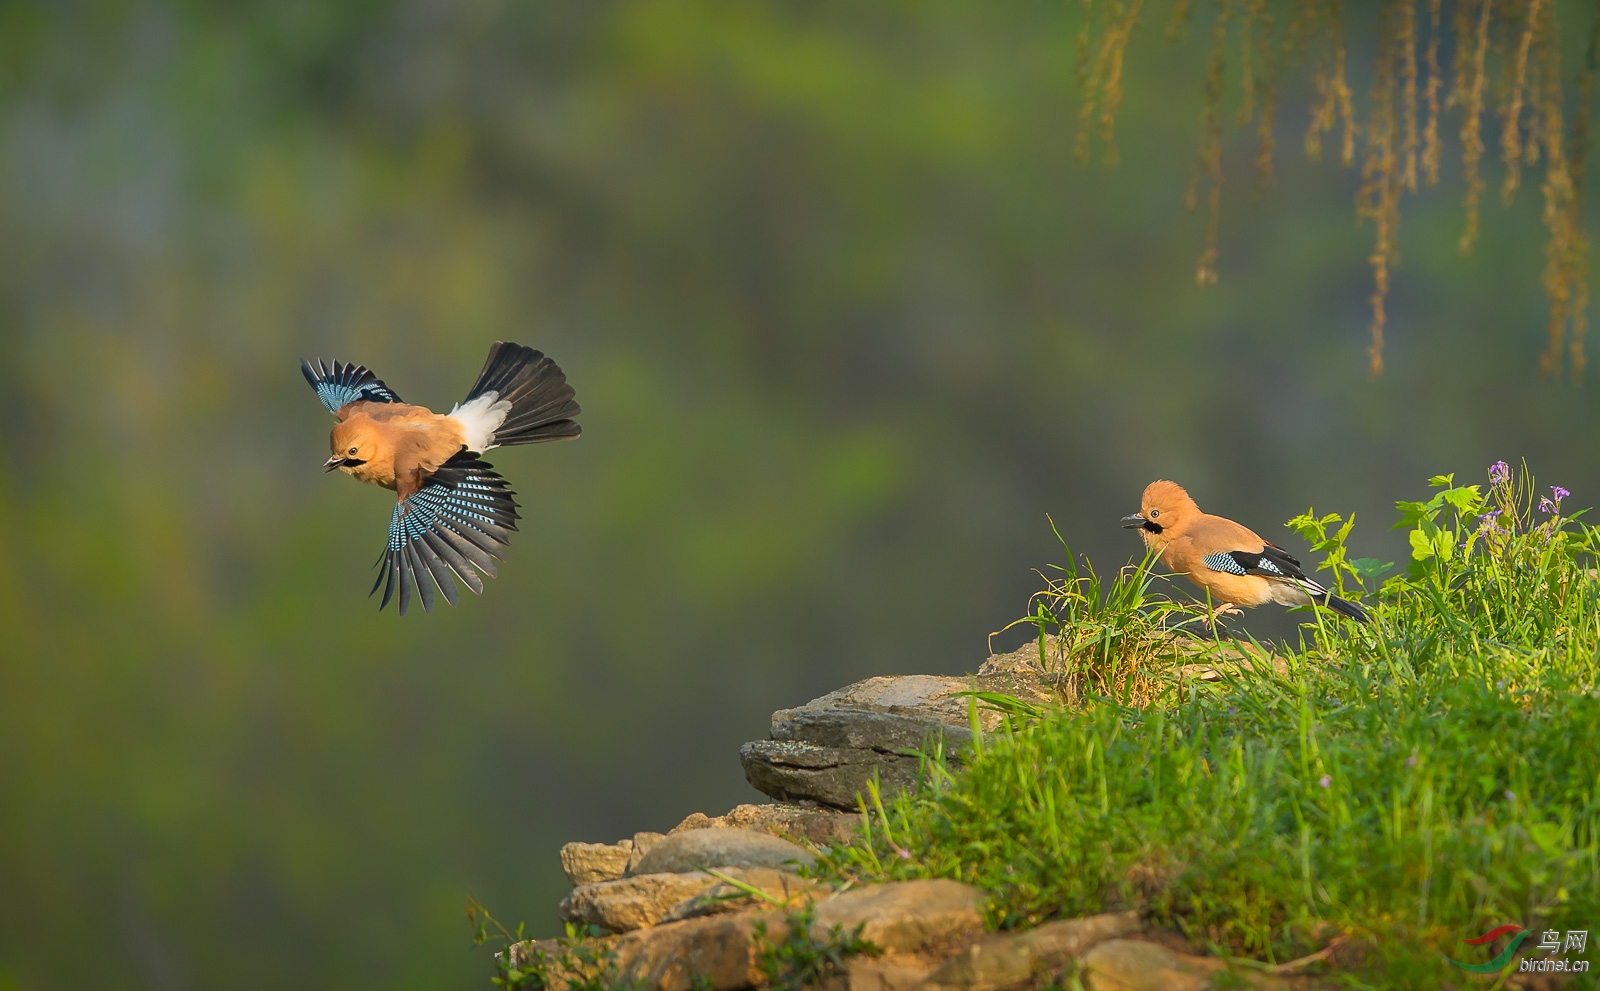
(1504, 53)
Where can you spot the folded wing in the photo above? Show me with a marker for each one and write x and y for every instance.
(454, 526)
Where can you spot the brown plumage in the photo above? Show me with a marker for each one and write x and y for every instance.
(1228, 560)
(453, 513)
(394, 445)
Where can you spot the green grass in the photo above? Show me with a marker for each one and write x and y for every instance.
(1406, 784)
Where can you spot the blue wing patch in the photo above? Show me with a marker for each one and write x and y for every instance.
(343, 384)
(1224, 562)
(454, 526)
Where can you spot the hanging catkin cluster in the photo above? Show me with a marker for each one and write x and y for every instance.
(1505, 56)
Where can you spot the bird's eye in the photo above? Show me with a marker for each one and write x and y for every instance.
(352, 451)
(1153, 513)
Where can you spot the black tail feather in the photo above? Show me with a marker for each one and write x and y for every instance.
(542, 403)
(1344, 607)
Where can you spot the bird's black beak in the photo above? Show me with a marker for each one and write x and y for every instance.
(1133, 521)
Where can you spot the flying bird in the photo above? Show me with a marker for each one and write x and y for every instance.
(1226, 559)
(453, 514)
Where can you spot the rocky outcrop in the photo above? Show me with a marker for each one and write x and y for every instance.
(811, 824)
(828, 749)
(699, 908)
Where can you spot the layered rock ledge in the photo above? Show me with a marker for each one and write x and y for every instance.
(692, 909)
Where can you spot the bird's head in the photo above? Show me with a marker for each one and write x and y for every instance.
(1163, 512)
(353, 445)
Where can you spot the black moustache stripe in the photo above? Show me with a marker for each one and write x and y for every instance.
(1152, 527)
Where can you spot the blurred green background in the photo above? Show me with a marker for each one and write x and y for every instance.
(846, 322)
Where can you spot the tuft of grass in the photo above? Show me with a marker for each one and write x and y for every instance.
(800, 960)
(581, 962)
(1402, 785)
(1104, 638)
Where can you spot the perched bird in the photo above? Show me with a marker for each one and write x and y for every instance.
(454, 513)
(1237, 567)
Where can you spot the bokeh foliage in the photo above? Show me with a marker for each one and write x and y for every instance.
(847, 321)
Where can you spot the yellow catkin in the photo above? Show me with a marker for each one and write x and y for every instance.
(1341, 89)
(1247, 64)
(1406, 38)
(1209, 158)
(1087, 85)
(1430, 132)
(1180, 19)
(1580, 123)
(1267, 87)
(1511, 126)
(1471, 136)
(1532, 144)
(1559, 251)
(1566, 253)
(1121, 29)
(1461, 63)
(1325, 109)
(1381, 179)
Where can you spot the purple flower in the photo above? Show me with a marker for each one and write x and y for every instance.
(1545, 505)
(1326, 781)
(1559, 492)
(1499, 473)
(1411, 761)
(903, 852)
(1487, 524)
(1511, 796)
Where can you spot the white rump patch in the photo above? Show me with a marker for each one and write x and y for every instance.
(480, 418)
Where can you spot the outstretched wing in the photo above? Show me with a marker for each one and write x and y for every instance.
(1271, 562)
(343, 384)
(454, 526)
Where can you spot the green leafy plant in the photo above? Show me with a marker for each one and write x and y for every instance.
(800, 959)
(580, 964)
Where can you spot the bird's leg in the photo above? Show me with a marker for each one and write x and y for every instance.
(1224, 609)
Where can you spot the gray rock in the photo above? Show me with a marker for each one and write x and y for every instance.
(642, 842)
(930, 696)
(827, 750)
(831, 776)
(696, 849)
(586, 863)
(889, 732)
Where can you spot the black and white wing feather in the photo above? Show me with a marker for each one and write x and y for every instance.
(1275, 563)
(342, 384)
(454, 526)
(1271, 562)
